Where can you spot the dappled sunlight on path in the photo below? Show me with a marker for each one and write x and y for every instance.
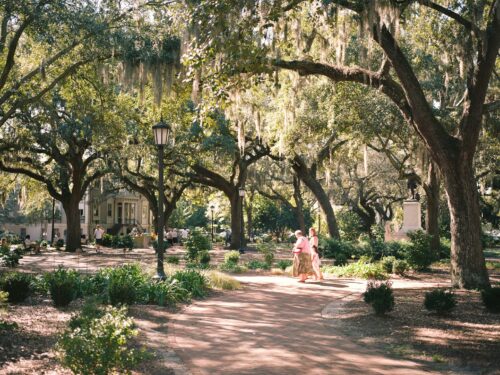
(275, 326)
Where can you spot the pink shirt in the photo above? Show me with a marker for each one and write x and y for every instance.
(302, 246)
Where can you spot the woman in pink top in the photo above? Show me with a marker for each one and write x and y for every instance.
(316, 262)
(301, 257)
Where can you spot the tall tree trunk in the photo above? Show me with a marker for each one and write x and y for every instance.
(236, 216)
(299, 205)
(431, 187)
(319, 193)
(468, 268)
(73, 232)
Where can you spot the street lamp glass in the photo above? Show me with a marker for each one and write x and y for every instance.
(242, 192)
(161, 132)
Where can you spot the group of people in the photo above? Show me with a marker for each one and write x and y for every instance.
(306, 256)
(175, 235)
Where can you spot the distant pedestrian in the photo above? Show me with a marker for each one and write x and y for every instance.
(301, 257)
(98, 233)
(315, 261)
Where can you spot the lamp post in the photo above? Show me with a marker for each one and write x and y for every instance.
(241, 192)
(212, 210)
(53, 219)
(161, 133)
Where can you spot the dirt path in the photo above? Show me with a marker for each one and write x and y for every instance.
(276, 326)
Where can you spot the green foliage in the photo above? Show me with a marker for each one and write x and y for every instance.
(167, 292)
(125, 284)
(439, 300)
(349, 225)
(283, 264)
(107, 240)
(419, 254)
(396, 249)
(333, 248)
(63, 286)
(491, 299)
(99, 344)
(255, 264)
(198, 219)
(388, 263)
(400, 267)
(203, 257)
(268, 253)
(173, 259)
(232, 257)
(340, 259)
(10, 258)
(232, 267)
(380, 296)
(359, 269)
(18, 285)
(59, 244)
(444, 248)
(193, 281)
(196, 242)
(122, 242)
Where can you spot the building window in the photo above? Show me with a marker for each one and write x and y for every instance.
(110, 210)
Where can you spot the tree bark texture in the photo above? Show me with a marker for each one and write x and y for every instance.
(73, 231)
(431, 187)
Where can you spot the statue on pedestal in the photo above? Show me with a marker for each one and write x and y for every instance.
(412, 188)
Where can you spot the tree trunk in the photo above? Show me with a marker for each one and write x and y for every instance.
(248, 208)
(236, 216)
(431, 188)
(468, 268)
(73, 231)
(299, 205)
(299, 216)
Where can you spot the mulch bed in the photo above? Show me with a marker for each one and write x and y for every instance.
(468, 338)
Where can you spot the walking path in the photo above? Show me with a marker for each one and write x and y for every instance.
(277, 326)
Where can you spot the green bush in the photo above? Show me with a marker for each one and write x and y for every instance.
(125, 242)
(396, 249)
(333, 248)
(232, 267)
(10, 258)
(283, 264)
(444, 248)
(107, 240)
(100, 345)
(126, 284)
(232, 256)
(193, 281)
(59, 244)
(255, 264)
(349, 224)
(340, 260)
(359, 269)
(491, 299)
(388, 263)
(440, 301)
(63, 286)
(400, 267)
(167, 292)
(195, 243)
(18, 285)
(380, 296)
(419, 254)
(173, 259)
(203, 257)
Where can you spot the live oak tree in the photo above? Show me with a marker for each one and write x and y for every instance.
(446, 115)
(62, 142)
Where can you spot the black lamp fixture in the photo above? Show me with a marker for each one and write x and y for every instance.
(161, 133)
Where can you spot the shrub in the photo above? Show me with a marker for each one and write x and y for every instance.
(349, 224)
(10, 258)
(444, 248)
(232, 256)
(126, 284)
(377, 249)
(18, 285)
(380, 296)
(204, 257)
(107, 240)
(419, 254)
(400, 267)
(193, 281)
(254, 264)
(221, 281)
(440, 301)
(359, 269)
(195, 243)
(388, 263)
(396, 249)
(232, 267)
(125, 242)
(167, 292)
(63, 286)
(100, 345)
(173, 259)
(340, 260)
(491, 299)
(332, 248)
(283, 264)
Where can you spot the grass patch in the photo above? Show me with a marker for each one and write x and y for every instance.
(492, 253)
(493, 265)
(222, 281)
(359, 269)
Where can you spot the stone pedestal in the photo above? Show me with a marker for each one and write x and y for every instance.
(412, 219)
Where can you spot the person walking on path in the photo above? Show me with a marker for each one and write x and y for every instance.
(98, 233)
(315, 261)
(301, 257)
